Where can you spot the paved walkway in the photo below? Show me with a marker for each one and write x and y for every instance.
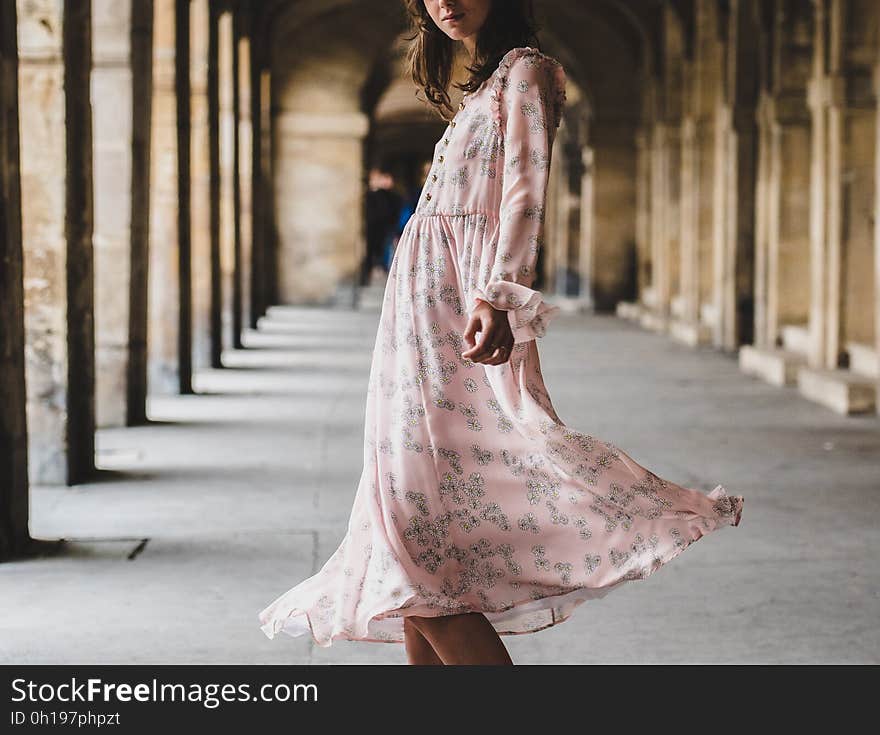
(230, 497)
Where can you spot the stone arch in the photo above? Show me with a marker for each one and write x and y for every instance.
(319, 129)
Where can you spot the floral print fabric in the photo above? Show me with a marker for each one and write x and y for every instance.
(474, 495)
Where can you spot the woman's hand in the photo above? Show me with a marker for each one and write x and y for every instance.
(496, 339)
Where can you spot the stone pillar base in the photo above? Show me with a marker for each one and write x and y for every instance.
(796, 338)
(774, 365)
(840, 390)
(689, 333)
(863, 360)
(676, 307)
(628, 310)
(654, 321)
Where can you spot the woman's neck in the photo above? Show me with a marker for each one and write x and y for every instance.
(470, 44)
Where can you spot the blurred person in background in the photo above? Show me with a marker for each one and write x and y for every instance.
(382, 207)
(408, 207)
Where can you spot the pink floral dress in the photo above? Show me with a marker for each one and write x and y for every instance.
(474, 495)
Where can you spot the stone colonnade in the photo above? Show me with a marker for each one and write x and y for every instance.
(759, 201)
(130, 153)
(170, 168)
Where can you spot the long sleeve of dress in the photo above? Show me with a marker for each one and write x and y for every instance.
(528, 102)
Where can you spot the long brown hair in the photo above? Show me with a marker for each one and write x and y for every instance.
(431, 52)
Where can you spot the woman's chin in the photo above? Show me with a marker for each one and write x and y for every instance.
(457, 34)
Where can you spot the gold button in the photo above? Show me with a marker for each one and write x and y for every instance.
(461, 105)
(440, 159)
(452, 123)
(434, 177)
(428, 195)
(446, 140)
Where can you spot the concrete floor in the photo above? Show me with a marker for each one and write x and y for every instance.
(232, 496)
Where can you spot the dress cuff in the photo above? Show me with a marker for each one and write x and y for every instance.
(527, 312)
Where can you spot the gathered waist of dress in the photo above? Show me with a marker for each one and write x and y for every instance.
(470, 213)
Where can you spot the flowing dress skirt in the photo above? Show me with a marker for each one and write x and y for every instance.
(474, 495)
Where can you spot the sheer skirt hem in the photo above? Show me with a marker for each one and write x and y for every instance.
(527, 615)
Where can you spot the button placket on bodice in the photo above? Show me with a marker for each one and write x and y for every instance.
(447, 135)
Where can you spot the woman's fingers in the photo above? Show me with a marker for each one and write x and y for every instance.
(482, 350)
(495, 341)
(473, 326)
(493, 354)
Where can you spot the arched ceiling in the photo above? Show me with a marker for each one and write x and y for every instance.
(590, 38)
(636, 21)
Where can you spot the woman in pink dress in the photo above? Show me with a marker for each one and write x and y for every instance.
(479, 513)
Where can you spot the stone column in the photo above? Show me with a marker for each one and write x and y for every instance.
(258, 192)
(235, 82)
(14, 534)
(817, 100)
(877, 228)
(559, 214)
(660, 221)
(768, 328)
(244, 179)
(737, 172)
(263, 251)
(142, 81)
(268, 279)
(703, 184)
(843, 114)
(183, 72)
(829, 103)
(120, 102)
(164, 268)
(782, 242)
(672, 169)
(834, 235)
(200, 225)
(706, 202)
(585, 255)
(770, 313)
(689, 293)
(858, 121)
(788, 236)
(615, 192)
(763, 217)
(56, 178)
(213, 125)
(723, 169)
(112, 102)
(644, 219)
(822, 180)
(737, 318)
(228, 242)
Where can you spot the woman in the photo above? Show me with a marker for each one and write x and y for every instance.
(479, 513)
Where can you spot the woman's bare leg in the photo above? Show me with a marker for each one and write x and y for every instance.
(468, 638)
(418, 650)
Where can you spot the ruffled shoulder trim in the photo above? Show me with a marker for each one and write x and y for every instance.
(501, 81)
